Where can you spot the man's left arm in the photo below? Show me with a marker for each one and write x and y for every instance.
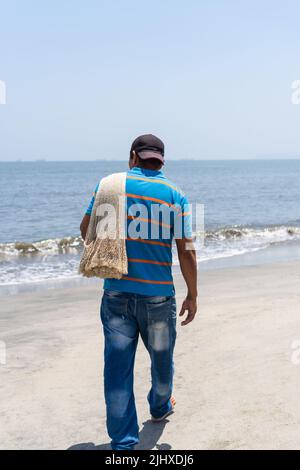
(188, 261)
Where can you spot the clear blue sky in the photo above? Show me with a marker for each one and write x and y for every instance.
(212, 78)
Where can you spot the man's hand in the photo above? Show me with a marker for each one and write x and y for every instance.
(189, 304)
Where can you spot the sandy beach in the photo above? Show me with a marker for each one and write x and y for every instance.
(236, 386)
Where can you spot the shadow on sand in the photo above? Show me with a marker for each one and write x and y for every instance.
(149, 436)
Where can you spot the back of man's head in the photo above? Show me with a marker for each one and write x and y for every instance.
(147, 151)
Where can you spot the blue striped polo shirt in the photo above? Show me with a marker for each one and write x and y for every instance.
(156, 211)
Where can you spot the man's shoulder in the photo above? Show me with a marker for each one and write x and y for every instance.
(160, 180)
(175, 187)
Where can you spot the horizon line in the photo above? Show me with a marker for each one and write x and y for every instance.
(44, 160)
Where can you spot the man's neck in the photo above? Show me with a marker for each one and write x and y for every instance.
(149, 167)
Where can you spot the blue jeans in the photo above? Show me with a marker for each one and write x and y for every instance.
(124, 316)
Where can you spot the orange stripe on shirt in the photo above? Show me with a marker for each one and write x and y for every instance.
(183, 214)
(151, 242)
(149, 261)
(154, 199)
(143, 219)
(149, 281)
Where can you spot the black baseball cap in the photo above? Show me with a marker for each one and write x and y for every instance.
(149, 146)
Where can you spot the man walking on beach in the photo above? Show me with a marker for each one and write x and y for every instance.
(143, 301)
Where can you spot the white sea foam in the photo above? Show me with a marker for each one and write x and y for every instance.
(43, 247)
(54, 259)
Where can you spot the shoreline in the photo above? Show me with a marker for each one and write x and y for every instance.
(277, 252)
(235, 384)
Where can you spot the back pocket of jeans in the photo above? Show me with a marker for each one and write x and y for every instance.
(114, 306)
(158, 308)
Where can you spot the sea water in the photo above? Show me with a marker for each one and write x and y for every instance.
(251, 212)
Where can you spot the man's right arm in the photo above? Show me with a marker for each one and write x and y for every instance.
(84, 225)
(188, 266)
(86, 219)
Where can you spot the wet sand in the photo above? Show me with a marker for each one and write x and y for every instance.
(235, 384)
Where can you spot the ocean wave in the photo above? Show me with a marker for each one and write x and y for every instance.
(271, 233)
(58, 258)
(221, 237)
(49, 246)
(234, 241)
